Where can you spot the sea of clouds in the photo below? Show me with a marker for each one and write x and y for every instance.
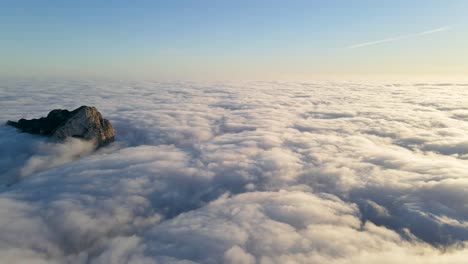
(253, 172)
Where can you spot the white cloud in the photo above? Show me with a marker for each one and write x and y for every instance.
(239, 173)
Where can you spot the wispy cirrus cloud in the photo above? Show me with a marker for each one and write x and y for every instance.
(391, 39)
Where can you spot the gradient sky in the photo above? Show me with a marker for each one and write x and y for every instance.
(193, 40)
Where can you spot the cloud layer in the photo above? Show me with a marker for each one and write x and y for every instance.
(258, 172)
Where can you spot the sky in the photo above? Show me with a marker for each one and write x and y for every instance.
(211, 40)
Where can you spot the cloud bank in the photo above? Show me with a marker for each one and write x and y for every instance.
(258, 172)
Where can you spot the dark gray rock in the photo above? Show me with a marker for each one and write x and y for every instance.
(84, 122)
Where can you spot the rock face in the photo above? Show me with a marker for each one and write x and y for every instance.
(84, 122)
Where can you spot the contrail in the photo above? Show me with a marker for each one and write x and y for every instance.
(375, 42)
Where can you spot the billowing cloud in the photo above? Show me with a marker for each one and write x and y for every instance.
(239, 173)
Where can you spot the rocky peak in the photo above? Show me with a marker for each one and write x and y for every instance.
(84, 122)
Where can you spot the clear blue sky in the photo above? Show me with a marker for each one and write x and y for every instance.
(233, 39)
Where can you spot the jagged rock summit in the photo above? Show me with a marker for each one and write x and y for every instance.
(84, 122)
